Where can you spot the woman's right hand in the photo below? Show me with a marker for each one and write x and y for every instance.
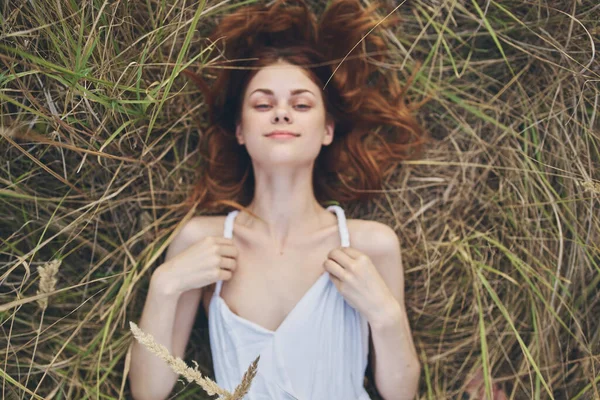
(211, 259)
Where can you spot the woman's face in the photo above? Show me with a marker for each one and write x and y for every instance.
(282, 97)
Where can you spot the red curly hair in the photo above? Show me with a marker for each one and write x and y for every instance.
(360, 99)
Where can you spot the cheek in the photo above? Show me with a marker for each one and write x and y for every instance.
(317, 124)
(256, 117)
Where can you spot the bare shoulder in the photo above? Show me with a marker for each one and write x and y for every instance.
(209, 225)
(195, 229)
(381, 244)
(373, 238)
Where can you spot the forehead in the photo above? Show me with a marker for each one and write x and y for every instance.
(281, 79)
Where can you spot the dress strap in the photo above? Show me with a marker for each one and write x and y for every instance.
(227, 234)
(342, 226)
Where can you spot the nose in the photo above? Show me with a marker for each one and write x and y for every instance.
(281, 113)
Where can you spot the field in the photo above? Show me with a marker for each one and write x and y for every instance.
(499, 221)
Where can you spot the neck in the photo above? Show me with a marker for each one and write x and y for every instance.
(287, 208)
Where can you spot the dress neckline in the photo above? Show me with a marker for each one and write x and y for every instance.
(344, 235)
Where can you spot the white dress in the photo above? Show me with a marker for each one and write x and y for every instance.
(320, 351)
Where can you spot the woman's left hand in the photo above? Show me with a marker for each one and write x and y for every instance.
(359, 282)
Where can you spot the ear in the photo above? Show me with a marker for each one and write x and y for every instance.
(329, 129)
(238, 134)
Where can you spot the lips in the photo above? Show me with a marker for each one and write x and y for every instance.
(282, 134)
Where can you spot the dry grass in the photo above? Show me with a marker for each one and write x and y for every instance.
(192, 374)
(499, 222)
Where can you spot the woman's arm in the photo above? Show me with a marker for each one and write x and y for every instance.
(396, 366)
(395, 363)
(168, 317)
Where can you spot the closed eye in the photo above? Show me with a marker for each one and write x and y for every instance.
(305, 106)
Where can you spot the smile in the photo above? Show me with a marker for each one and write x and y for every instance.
(282, 136)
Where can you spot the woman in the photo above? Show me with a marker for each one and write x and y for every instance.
(281, 276)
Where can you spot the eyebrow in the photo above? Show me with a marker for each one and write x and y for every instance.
(293, 92)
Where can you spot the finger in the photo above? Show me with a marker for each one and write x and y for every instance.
(340, 257)
(352, 252)
(228, 263)
(228, 251)
(225, 275)
(335, 269)
(336, 281)
(223, 240)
